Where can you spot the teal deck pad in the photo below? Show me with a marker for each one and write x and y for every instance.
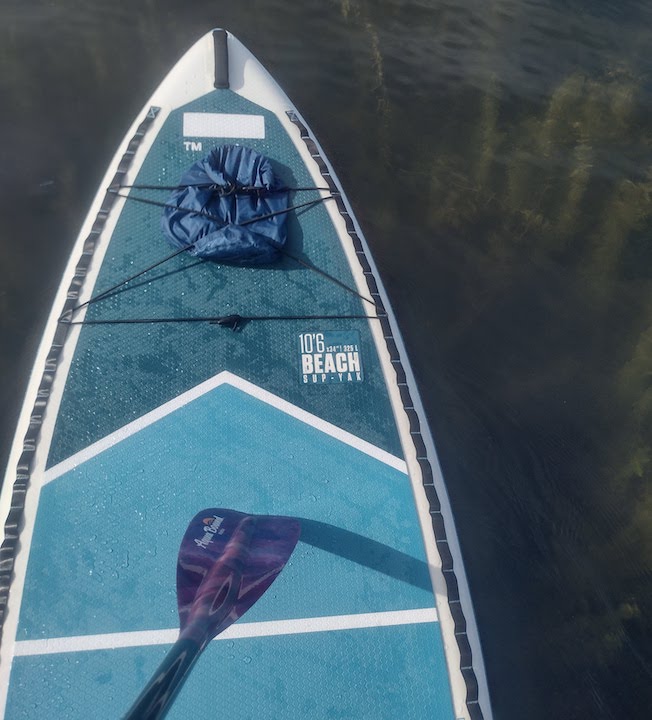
(128, 370)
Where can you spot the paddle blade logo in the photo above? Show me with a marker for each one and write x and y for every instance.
(212, 525)
(330, 357)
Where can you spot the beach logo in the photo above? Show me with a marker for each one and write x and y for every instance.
(330, 357)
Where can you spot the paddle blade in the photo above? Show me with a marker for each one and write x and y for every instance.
(227, 560)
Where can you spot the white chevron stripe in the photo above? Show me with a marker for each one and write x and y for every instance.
(201, 389)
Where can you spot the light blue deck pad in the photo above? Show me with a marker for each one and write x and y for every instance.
(356, 674)
(118, 517)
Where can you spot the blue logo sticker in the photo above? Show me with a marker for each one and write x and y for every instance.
(330, 357)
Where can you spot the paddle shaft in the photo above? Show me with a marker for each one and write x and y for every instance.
(215, 598)
(155, 700)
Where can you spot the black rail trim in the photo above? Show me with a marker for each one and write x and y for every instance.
(14, 522)
(439, 529)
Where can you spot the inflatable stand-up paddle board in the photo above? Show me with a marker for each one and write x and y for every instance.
(221, 340)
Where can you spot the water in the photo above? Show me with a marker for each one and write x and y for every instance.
(498, 154)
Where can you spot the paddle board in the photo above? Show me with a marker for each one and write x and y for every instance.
(296, 400)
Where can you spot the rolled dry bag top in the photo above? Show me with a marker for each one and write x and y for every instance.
(223, 208)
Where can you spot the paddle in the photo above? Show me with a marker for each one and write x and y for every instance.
(226, 562)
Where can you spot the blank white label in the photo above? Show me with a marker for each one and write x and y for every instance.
(223, 125)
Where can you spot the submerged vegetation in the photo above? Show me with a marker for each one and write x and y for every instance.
(536, 196)
(534, 212)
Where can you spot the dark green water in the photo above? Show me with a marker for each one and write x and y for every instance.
(498, 154)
